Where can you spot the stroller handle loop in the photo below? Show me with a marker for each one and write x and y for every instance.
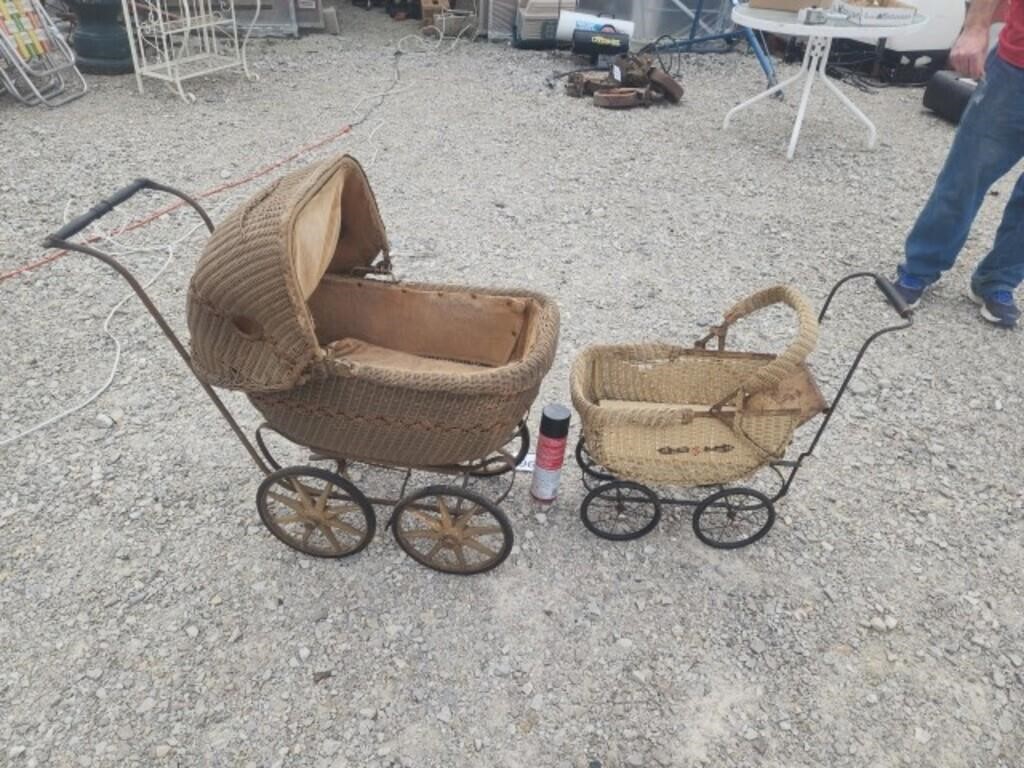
(104, 207)
(790, 360)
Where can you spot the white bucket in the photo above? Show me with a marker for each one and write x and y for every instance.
(570, 21)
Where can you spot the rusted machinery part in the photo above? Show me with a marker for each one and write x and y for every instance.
(665, 84)
(623, 98)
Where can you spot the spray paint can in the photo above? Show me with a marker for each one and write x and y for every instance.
(547, 469)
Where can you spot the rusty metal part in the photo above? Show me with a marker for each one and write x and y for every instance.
(588, 83)
(665, 84)
(633, 69)
(623, 98)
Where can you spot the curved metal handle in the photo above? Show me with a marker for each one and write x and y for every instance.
(58, 239)
(893, 297)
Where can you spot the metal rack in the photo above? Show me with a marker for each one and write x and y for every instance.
(182, 39)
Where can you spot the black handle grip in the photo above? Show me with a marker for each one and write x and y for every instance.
(893, 297)
(99, 210)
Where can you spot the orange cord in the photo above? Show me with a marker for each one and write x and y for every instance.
(138, 223)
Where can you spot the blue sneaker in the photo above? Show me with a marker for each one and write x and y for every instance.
(910, 289)
(997, 308)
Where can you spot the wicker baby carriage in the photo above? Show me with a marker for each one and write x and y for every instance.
(694, 417)
(290, 305)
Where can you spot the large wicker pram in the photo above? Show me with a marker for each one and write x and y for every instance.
(661, 414)
(292, 302)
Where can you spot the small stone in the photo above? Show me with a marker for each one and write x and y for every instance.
(537, 702)
(635, 760)
(891, 623)
(303, 653)
(367, 713)
(1016, 659)
(163, 750)
(225, 174)
(146, 706)
(330, 747)
(104, 421)
(321, 615)
(192, 631)
(998, 678)
(760, 744)
(216, 600)
(921, 736)
(877, 624)
(758, 646)
(541, 518)
(1006, 724)
(478, 745)
(94, 674)
(14, 752)
(625, 643)
(445, 715)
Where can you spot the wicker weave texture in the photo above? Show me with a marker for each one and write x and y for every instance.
(386, 416)
(250, 326)
(663, 427)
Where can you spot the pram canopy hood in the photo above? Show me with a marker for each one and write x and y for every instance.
(247, 305)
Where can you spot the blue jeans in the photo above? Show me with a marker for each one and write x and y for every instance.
(988, 143)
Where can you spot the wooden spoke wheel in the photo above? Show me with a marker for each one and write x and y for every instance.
(588, 465)
(733, 518)
(620, 510)
(316, 512)
(452, 530)
(506, 458)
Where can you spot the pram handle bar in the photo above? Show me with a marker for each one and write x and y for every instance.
(59, 240)
(104, 207)
(894, 298)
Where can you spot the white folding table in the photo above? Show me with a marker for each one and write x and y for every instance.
(819, 43)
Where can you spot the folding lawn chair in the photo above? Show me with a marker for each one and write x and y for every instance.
(36, 65)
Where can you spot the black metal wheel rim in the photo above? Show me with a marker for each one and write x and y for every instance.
(620, 510)
(733, 518)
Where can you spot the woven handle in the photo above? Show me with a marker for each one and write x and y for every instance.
(785, 364)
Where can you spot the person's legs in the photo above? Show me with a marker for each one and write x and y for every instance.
(988, 143)
(1003, 268)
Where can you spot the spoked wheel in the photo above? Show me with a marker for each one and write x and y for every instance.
(588, 465)
(316, 512)
(621, 510)
(733, 518)
(506, 458)
(452, 530)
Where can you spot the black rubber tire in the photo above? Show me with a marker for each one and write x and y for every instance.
(703, 532)
(347, 492)
(618, 486)
(450, 490)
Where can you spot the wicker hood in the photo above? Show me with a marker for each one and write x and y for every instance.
(247, 305)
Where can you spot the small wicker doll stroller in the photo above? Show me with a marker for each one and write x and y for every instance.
(290, 305)
(666, 415)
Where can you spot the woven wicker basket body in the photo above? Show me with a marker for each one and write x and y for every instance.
(415, 419)
(672, 415)
(366, 369)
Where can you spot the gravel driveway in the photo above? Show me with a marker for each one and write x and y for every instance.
(149, 619)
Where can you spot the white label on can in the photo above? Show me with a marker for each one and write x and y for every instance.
(545, 483)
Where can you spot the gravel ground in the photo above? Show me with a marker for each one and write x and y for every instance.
(149, 619)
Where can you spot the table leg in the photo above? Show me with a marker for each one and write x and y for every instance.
(765, 94)
(815, 60)
(872, 131)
